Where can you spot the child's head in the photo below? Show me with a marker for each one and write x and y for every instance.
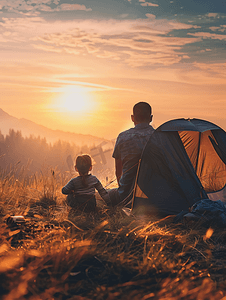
(83, 164)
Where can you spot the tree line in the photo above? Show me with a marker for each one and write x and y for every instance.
(35, 153)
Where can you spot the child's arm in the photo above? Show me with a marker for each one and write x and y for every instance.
(68, 188)
(103, 193)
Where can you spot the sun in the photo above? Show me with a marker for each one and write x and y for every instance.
(73, 99)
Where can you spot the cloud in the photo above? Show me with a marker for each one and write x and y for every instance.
(65, 7)
(221, 28)
(205, 73)
(137, 43)
(34, 7)
(124, 16)
(218, 69)
(141, 47)
(150, 16)
(209, 35)
(129, 43)
(144, 3)
(212, 15)
(48, 48)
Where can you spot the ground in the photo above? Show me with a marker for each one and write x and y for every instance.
(110, 255)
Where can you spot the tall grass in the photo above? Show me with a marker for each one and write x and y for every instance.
(55, 254)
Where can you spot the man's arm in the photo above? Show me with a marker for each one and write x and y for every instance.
(118, 169)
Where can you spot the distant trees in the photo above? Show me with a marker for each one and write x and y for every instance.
(35, 152)
(25, 156)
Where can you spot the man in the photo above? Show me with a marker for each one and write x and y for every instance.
(128, 149)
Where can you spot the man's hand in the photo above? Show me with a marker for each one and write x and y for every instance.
(118, 169)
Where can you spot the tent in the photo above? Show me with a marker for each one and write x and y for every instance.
(183, 162)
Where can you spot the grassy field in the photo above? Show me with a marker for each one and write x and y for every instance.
(55, 254)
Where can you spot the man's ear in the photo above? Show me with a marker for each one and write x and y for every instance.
(90, 168)
(151, 117)
(76, 169)
(132, 118)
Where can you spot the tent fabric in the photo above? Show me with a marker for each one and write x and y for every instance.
(188, 125)
(182, 161)
(207, 163)
(219, 144)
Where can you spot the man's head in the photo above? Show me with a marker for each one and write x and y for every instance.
(142, 113)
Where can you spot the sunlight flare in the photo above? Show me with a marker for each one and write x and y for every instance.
(73, 99)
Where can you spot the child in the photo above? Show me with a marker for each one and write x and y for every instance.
(81, 189)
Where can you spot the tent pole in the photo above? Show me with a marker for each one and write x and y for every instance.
(197, 160)
(196, 165)
(135, 184)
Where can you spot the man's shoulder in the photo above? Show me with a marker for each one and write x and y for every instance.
(126, 132)
(132, 140)
(131, 132)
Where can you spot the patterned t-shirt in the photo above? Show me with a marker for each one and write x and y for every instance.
(75, 185)
(128, 148)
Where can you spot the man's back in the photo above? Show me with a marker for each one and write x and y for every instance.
(128, 149)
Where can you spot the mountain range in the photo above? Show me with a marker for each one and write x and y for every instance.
(28, 128)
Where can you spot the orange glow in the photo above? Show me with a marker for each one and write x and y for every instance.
(73, 99)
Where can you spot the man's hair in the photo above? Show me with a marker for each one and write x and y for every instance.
(142, 111)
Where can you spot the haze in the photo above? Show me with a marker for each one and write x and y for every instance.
(80, 66)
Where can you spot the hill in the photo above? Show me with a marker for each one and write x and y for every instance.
(28, 128)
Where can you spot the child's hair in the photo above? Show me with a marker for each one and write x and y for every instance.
(83, 164)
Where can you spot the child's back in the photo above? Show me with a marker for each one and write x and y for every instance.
(81, 189)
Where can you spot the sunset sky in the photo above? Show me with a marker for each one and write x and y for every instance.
(81, 65)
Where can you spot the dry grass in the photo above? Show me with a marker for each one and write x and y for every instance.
(55, 254)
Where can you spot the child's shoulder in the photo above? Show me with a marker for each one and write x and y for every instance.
(93, 177)
(74, 179)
